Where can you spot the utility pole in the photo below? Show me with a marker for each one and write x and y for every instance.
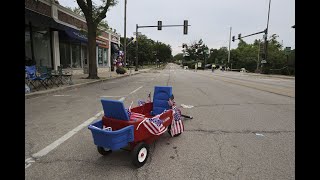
(136, 47)
(229, 46)
(266, 35)
(125, 31)
(258, 55)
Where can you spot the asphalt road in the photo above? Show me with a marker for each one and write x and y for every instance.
(243, 128)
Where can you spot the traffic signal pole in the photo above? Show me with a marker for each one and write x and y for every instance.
(136, 69)
(229, 46)
(185, 31)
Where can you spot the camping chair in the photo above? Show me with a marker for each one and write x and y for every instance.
(32, 77)
(160, 99)
(65, 75)
(46, 73)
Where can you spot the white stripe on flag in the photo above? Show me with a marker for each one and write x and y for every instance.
(148, 123)
(146, 126)
(178, 127)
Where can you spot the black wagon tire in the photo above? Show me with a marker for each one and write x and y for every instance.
(140, 154)
(103, 151)
(169, 131)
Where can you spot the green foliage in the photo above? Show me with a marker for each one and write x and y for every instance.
(246, 56)
(121, 70)
(178, 56)
(197, 50)
(149, 51)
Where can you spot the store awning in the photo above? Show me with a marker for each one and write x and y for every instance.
(40, 20)
(77, 35)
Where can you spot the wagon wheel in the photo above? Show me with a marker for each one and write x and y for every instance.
(169, 131)
(140, 154)
(104, 151)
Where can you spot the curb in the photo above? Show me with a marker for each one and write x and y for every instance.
(47, 92)
(274, 76)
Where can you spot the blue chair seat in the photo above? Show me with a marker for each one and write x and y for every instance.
(114, 109)
(160, 99)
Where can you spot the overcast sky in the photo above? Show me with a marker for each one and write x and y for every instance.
(209, 19)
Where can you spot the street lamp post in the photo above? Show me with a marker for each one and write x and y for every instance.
(266, 35)
(136, 48)
(258, 55)
(125, 31)
(229, 46)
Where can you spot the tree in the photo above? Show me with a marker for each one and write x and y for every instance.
(149, 51)
(94, 15)
(178, 56)
(197, 50)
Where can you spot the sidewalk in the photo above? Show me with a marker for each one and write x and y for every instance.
(79, 80)
(255, 74)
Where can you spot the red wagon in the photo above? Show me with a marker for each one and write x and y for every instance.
(137, 127)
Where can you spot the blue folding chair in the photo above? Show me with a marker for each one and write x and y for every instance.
(32, 77)
(46, 74)
(160, 99)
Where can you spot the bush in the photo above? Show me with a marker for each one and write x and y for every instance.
(121, 70)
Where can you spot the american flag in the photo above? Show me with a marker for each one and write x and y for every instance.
(134, 115)
(154, 125)
(141, 102)
(149, 98)
(176, 124)
(171, 102)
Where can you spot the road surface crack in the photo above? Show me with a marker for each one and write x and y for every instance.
(202, 91)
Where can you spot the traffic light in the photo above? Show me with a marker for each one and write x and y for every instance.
(159, 25)
(185, 27)
(232, 38)
(184, 46)
(239, 36)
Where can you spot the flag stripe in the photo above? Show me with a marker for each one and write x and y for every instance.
(148, 123)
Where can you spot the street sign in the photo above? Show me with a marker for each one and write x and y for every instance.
(287, 50)
(263, 61)
(139, 33)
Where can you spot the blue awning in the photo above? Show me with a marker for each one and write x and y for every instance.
(77, 35)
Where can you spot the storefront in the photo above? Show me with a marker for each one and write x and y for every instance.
(38, 39)
(73, 49)
(102, 55)
(53, 38)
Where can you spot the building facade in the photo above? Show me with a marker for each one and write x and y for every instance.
(54, 37)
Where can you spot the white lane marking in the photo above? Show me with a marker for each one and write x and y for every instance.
(110, 96)
(56, 143)
(136, 90)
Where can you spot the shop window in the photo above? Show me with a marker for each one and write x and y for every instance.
(75, 49)
(27, 43)
(100, 57)
(65, 60)
(105, 57)
(42, 48)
